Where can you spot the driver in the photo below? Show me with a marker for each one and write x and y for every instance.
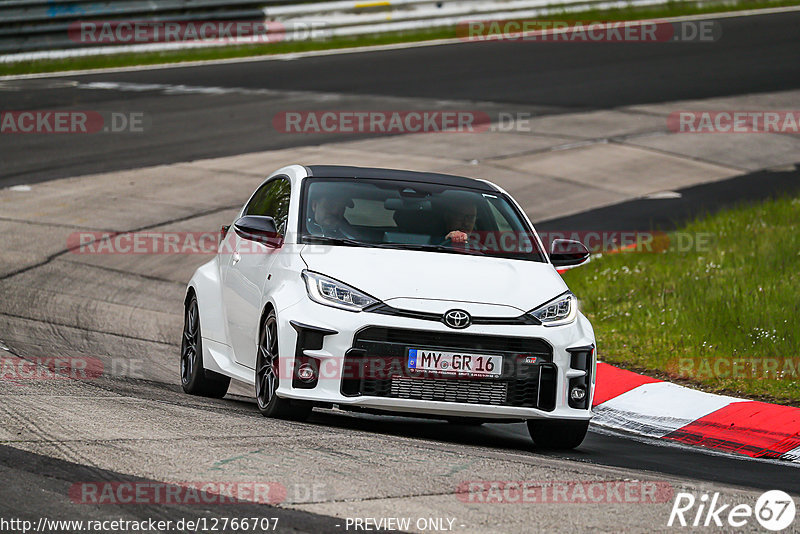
(459, 218)
(327, 217)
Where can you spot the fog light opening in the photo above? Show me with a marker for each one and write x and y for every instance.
(306, 373)
(577, 394)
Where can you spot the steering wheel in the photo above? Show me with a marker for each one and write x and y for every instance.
(468, 244)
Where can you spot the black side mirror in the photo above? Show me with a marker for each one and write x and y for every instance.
(568, 253)
(258, 228)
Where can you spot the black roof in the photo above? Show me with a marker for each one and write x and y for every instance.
(343, 171)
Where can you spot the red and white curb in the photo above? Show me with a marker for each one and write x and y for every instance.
(653, 408)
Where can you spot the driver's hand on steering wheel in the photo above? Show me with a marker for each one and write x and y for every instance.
(457, 237)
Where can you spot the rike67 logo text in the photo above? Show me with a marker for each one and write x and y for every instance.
(774, 510)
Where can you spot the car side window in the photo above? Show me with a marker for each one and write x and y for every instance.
(272, 200)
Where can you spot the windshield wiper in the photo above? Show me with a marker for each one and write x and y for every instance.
(337, 240)
(439, 248)
(327, 240)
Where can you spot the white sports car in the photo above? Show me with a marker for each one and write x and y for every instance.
(392, 291)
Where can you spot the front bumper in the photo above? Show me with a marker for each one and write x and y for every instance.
(333, 341)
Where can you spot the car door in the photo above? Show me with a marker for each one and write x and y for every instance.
(246, 277)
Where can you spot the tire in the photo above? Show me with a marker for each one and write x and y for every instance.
(558, 434)
(195, 379)
(268, 376)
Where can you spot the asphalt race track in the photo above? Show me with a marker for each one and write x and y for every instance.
(106, 429)
(756, 54)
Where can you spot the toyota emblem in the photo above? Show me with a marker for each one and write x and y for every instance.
(457, 319)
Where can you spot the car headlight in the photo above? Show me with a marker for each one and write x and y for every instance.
(561, 310)
(331, 292)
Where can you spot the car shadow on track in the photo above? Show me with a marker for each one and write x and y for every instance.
(599, 448)
(501, 436)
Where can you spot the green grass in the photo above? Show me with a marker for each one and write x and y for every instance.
(675, 314)
(671, 9)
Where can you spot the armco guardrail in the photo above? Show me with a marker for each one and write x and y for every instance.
(27, 25)
(33, 29)
(419, 14)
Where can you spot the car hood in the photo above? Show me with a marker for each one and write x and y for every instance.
(403, 274)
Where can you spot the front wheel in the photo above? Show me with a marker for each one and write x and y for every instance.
(557, 434)
(268, 374)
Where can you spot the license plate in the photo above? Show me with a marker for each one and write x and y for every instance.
(455, 362)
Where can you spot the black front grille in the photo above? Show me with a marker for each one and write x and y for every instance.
(461, 341)
(447, 390)
(377, 366)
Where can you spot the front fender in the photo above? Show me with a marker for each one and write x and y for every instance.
(207, 286)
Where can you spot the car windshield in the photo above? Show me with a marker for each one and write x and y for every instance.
(415, 216)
